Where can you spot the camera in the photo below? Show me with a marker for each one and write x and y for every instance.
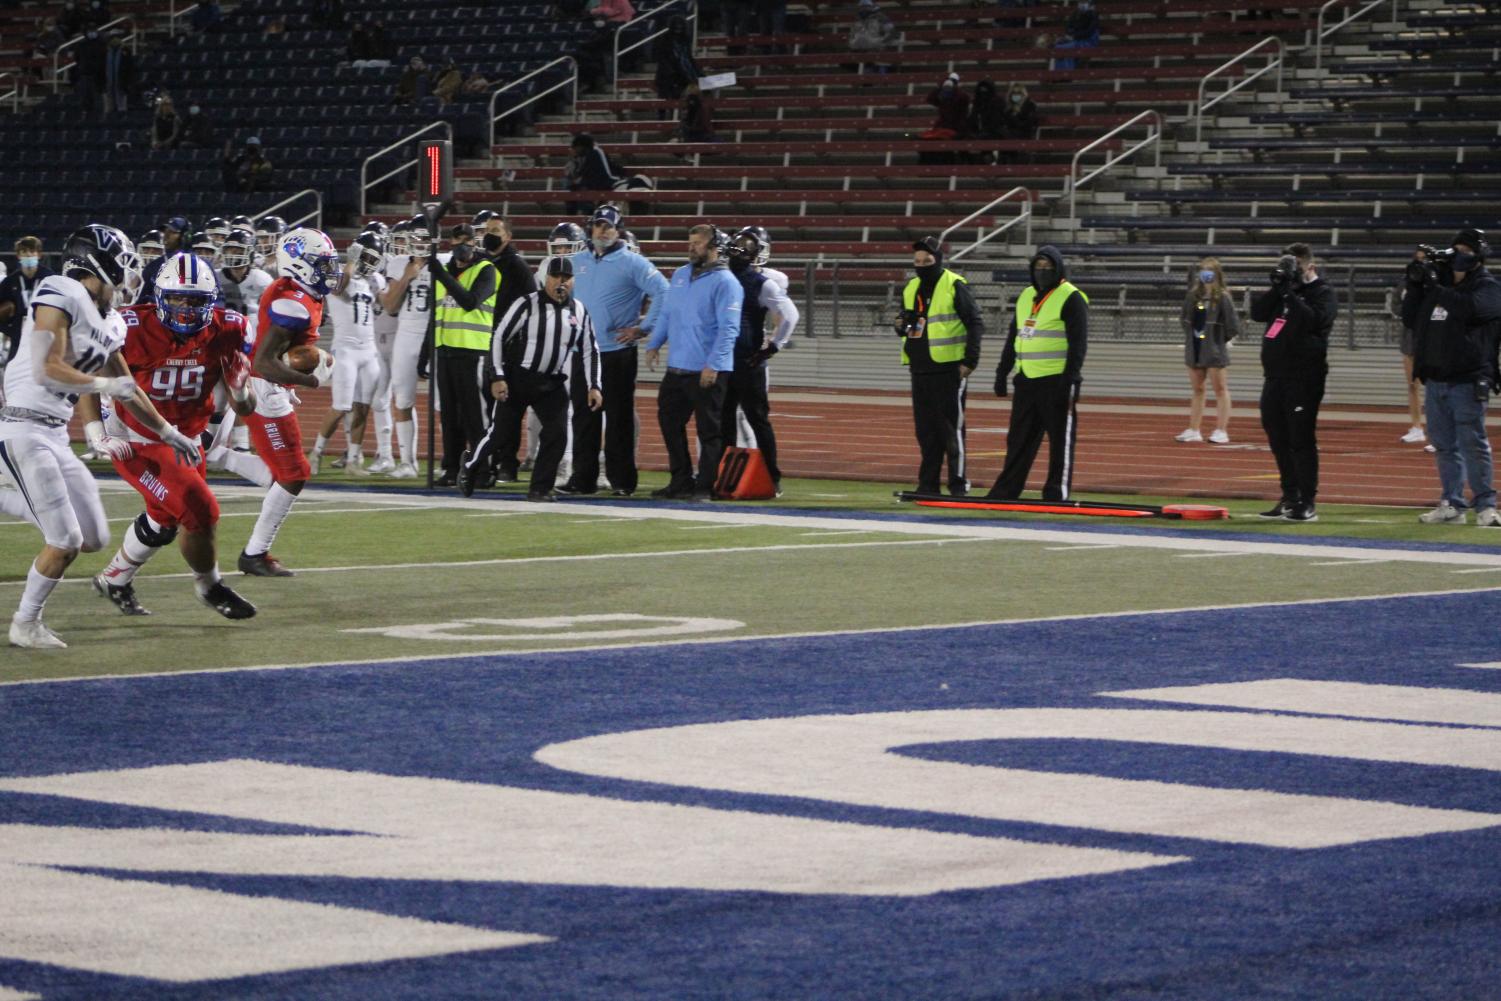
(1285, 271)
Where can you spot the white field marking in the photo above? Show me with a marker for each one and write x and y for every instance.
(766, 637)
(1208, 556)
(7, 994)
(666, 625)
(583, 557)
(1491, 665)
(1480, 570)
(851, 759)
(1349, 563)
(256, 514)
(828, 495)
(843, 531)
(502, 514)
(1457, 706)
(704, 528)
(590, 521)
(1071, 549)
(1375, 521)
(181, 933)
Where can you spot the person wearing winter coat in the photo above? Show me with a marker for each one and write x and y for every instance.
(1210, 323)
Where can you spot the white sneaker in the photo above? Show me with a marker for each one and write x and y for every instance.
(1414, 436)
(314, 459)
(602, 482)
(1445, 514)
(1488, 518)
(1189, 436)
(1429, 448)
(355, 467)
(385, 465)
(1219, 437)
(33, 634)
(405, 471)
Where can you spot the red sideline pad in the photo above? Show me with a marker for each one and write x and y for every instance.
(1185, 512)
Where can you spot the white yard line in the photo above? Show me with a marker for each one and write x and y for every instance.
(256, 514)
(1481, 570)
(768, 637)
(1210, 556)
(1073, 549)
(1494, 665)
(842, 531)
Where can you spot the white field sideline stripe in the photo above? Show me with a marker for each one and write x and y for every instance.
(257, 514)
(764, 637)
(578, 558)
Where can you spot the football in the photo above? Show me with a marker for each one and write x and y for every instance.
(303, 358)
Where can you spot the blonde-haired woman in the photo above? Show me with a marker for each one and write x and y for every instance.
(1210, 323)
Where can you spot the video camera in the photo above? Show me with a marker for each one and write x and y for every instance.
(1286, 271)
(1416, 270)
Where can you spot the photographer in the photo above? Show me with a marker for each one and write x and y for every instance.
(1299, 311)
(1453, 305)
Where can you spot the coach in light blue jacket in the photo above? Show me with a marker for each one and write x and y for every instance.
(699, 322)
(612, 283)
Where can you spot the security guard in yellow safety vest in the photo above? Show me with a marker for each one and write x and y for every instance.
(940, 327)
(1046, 344)
(463, 320)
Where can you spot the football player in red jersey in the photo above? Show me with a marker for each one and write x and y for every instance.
(291, 310)
(178, 348)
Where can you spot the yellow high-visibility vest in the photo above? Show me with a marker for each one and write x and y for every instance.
(466, 328)
(945, 331)
(1041, 346)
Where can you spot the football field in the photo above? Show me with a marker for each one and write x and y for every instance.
(830, 747)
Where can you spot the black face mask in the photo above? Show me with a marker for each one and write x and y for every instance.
(1045, 279)
(738, 264)
(493, 243)
(928, 272)
(463, 253)
(1464, 262)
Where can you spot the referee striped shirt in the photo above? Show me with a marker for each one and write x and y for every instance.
(539, 335)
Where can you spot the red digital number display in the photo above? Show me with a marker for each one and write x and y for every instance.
(435, 167)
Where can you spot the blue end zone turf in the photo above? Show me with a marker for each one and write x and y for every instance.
(1402, 918)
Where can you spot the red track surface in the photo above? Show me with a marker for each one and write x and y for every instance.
(867, 435)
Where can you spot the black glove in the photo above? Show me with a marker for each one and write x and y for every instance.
(760, 357)
(1000, 384)
(1416, 272)
(424, 362)
(1431, 275)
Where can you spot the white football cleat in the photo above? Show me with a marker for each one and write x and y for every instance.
(314, 460)
(355, 467)
(33, 635)
(385, 465)
(405, 471)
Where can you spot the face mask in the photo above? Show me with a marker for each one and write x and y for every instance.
(1044, 279)
(493, 243)
(1207, 277)
(1463, 262)
(1016, 99)
(463, 253)
(30, 263)
(928, 271)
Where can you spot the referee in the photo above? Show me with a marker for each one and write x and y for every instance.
(532, 353)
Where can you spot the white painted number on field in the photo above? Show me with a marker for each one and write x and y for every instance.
(558, 627)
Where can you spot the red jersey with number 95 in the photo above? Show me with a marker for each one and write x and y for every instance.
(179, 372)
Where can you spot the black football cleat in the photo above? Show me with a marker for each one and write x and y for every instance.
(264, 565)
(222, 599)
(123, 596)
(464, 479)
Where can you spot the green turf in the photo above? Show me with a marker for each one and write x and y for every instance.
(384, 567)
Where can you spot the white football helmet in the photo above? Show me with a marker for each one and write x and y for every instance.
(419, 238)
(308, 256)
(217, 229)
(186, 289)
(151, 246)
(400, 234)
(238, 250)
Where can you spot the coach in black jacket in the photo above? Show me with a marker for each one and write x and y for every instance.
(1299, 311)
(1453, 306)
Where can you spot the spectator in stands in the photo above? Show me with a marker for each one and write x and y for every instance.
(15, 294)
(476, 83)
(673, 54)
(1454, 308)
(449, 80)
(872, 31)
(594, 54)
(97, 14)
(739, 21)
(771, 20)
(47, 39)
(414, 83)
(952, 121)
(166, 126)
(248, 170)
(327, 14)
(696, 123)
(197, 132)
(1299, 311)
(88, 73)
(1019, 116)
(207, 16)
(986, 113)
(1210, 323)
(614, 12)
(119, 75)
(71, 20)
(1416, 435)
(1082, 30)
(276, 26)
(589, 169)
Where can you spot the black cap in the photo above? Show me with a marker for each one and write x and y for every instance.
(461, 229)
(1475, 239)
(560, 266)
(931, 245)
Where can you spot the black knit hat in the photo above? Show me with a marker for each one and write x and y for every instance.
(932, 246)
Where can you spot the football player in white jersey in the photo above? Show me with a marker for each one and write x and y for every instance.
(352, 310)
(385, 341)
(268, 234)
(72, 334)
(409, 297)
(241, 284)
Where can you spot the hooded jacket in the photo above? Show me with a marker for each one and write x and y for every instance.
(1456, 330)
(1300, 346)
(1075, 315)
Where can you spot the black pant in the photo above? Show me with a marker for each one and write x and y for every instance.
(1289, 415)
(545, 394)
(938, 417)
(618, 385)
(747, 389)
(679, 398)
(1044, 406)
(459, 373)
(503, 463)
